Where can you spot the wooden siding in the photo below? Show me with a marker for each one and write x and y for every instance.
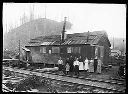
(85, 51)
(104, 43)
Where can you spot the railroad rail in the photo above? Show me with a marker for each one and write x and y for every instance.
(95, 83)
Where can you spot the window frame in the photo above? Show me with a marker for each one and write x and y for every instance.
(43, 50)
(54, 50)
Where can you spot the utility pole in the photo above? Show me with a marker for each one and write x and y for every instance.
(45, 11)
(123, 47)
(19, 50)
(113, 43)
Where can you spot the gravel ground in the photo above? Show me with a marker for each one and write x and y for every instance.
(64, 87)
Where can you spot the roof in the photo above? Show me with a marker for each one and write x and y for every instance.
(26, 49)
(76, 38)
(115, 51)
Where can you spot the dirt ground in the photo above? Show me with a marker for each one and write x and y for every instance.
(105, 75)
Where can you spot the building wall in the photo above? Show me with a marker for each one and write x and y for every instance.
(38, 57)
(85, 51)
(76, 51)
(88, 51)
(106, 51)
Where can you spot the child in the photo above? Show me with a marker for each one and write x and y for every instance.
(67, 68)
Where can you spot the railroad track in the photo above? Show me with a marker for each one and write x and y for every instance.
(75, 78)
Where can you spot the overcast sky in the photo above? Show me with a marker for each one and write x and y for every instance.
(84, 16)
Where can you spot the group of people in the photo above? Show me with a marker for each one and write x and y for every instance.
(78, 64)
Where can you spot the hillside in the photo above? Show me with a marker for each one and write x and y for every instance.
(29, 30)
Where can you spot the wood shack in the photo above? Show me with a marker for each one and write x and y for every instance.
(48, 49)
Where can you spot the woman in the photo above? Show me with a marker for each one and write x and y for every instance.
(81, 66)
(91, 65)
(99, 66)
(76, 66)
(86, 67)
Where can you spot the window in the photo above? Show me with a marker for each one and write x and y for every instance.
(76, 50)
(68, 49)
(43, 50)
(55, 50)
(37, 49)
(50, 51)
(73, 50)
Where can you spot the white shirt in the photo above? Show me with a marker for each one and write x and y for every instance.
(60, 61)
(86, 61)
(76, 63)
(91, 61)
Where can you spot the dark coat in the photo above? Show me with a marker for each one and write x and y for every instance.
(95, 64)
(71, 60)
(80, 59)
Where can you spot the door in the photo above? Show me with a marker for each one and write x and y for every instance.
(101, 52)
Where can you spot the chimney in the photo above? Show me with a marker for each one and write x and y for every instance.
(63, 31)
(87, 36)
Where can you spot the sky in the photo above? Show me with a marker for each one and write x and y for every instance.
(83, 16)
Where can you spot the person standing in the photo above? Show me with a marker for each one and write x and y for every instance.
(81, 66)
(91, 66)
(60, 64)
(76, 67)
(99, 66)
(95, 64)
(67, 68)
(86, 67)
(71, 60)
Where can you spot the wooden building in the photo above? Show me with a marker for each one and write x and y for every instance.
(48, 49)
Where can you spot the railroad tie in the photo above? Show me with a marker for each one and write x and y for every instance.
(47, 72)
(81, 77)
(75, 76)
(109, 88)
(114, 89)
(113, 82)
(68, 75)
(107, 81)
(96, 90)
(100, 80)
(53, 73)
(87, 78)
(70, 85)
(79, 87)
(86, 88)
(28, 69)
(120, 83)
(119, 90)
(92, 79)
(22, 68)
(15, 67)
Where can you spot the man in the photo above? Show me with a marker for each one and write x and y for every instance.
(76, 67)
(95, 64)
(60, 64)
(71, 60)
